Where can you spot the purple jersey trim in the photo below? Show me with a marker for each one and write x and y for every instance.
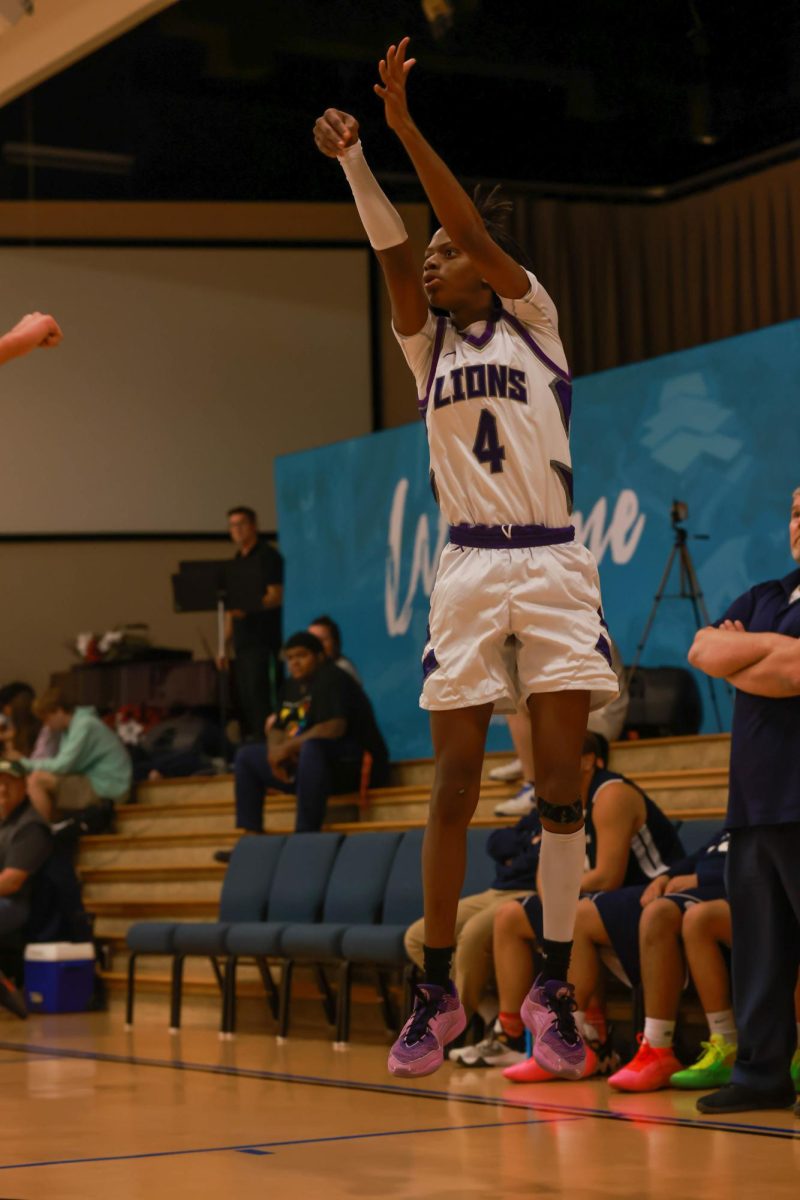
(484, 338)
(510, 537)
(604, 649)
(565, 477)
(536, 349)
(438, 340)
(429, 664)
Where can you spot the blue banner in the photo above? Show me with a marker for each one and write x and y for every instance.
(716, 427)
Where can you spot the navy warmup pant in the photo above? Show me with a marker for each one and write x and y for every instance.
(763, 876)
(326, 766)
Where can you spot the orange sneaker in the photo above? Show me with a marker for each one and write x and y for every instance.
(529, 1071)
(648, 1070)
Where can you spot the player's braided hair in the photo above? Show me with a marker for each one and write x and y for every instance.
(495, 210)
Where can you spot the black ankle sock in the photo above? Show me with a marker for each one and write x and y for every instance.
(437, 964)
(556, 960)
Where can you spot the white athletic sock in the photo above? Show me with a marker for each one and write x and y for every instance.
(561, 864)
(588, 1031)
(723, 1023)
(659, 1033)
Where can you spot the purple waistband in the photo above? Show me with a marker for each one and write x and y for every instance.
(510, 537)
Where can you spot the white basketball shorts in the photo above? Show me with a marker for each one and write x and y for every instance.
(505, 624)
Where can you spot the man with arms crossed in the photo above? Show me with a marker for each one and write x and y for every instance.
(756, 647)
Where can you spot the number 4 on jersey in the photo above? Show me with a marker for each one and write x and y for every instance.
(487, 448)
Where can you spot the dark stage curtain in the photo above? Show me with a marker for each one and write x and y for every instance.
(634, 280)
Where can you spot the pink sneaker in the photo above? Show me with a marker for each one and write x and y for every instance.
(547, 1012)
(648, 1070)
(529, 1071)
(437, 1018)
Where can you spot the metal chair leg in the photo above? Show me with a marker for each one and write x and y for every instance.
(328, 999)
(217, 972)
(229, 996)
(273, 999)
(176, 991)
(131, 989)
(343, 1002)
(387, 1004)
(285, 997)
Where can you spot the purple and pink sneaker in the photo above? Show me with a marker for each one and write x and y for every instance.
(547, 1012)
(437, 1018)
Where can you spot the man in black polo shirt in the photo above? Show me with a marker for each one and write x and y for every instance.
(756, 647)
(256, 636)
(317, 741)
(25, 845)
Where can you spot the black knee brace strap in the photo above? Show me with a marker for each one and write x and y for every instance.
(560, 814)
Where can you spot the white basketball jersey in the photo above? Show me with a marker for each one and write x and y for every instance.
(496, 399)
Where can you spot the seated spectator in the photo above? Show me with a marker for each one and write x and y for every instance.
(317, 740)
(628, 840)
(91, 770)
(329, 633)
(19, 727)
(516, 853)
(681, 920)
(607, 721)
(184, 743)
(26, 844)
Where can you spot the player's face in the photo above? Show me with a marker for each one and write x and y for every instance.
(794, 528)
(448, 276)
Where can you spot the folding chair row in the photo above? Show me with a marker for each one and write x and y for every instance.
(308, 899)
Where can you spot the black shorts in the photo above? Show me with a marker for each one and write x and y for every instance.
(620, 911)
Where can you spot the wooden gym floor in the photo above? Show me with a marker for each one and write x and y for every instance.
(92, 1112)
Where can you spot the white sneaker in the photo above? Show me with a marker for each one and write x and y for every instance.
(520, 805)
(508, 772)
(496, 1050)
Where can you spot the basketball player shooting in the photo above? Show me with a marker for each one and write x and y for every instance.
(515, 614)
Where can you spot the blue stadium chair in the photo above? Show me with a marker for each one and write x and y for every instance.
(296, 897)
(354, 897)
(695, 834)
(245, 890)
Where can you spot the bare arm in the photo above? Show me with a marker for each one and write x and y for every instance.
(722, 653)
(616, 812)
(776, 675)
(33, 331)
(453, 207)
(11, 880)
(336, 136)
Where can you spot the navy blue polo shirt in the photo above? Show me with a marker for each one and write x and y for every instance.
(765, 736)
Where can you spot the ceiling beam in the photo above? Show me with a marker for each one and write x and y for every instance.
(59, 33)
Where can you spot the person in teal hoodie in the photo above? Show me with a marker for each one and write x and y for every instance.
(91, 766)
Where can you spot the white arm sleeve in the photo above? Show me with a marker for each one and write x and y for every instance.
(382, 223)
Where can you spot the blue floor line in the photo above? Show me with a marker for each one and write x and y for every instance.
(602, 1114)
(266, 1148)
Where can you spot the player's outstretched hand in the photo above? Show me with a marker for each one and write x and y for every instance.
(34, 331)
(335, 132)
(393, 71)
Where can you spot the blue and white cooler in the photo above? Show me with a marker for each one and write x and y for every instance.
(59, 976)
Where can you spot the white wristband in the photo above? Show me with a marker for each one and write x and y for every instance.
(382, 223)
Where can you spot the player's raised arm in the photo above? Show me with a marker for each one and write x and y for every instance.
(453, 207)
(34, 331)
(336, 135)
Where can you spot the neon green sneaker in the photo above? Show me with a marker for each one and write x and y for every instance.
(713, 1067)
(795, 1069)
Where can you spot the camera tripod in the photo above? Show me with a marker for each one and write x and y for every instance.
(689, 590)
